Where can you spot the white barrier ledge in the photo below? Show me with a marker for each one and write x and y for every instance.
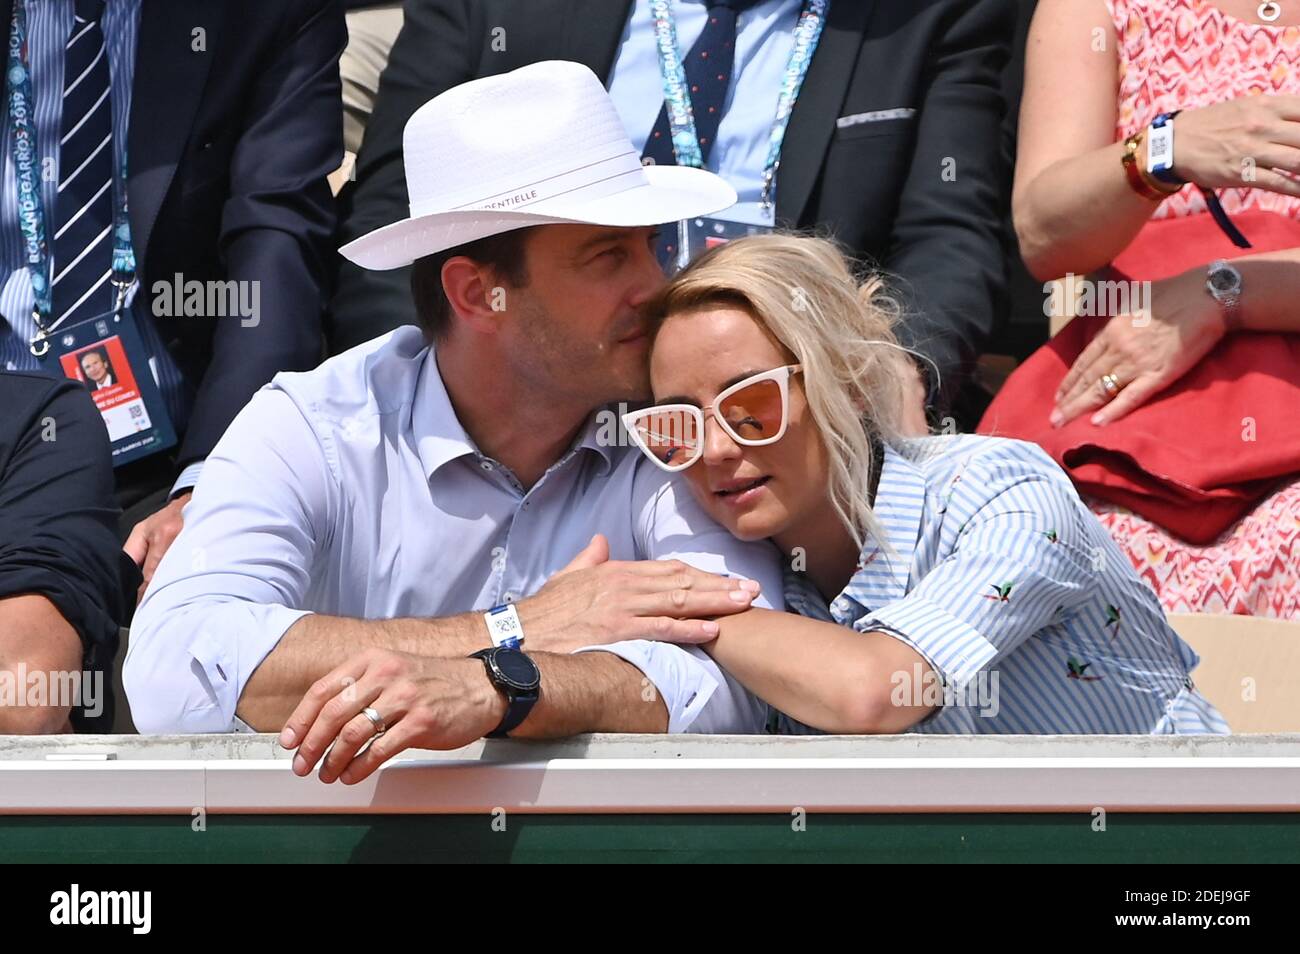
(249, 774)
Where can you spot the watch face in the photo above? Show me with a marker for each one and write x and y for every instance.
(516, 669)
(1224, 280)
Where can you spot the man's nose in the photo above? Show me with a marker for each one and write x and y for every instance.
(650, 275)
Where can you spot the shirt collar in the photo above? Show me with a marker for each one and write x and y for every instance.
(899, 507)
(440, 438)
(603, 434)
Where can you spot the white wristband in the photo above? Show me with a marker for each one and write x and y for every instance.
(504, 627)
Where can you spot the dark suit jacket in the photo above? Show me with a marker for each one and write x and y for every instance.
(880, 186)
(229, 146)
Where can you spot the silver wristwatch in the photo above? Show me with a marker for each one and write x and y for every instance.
(1223, 282)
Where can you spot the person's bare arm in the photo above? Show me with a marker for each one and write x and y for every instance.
(591, 602)
(824, 675)
(1073, 208)
(1270, 288)
(432, 703)
(35, 639)
(591, 692)
(225, 628)
(317, 644)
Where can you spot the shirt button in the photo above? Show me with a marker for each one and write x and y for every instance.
(509, 597)
(486, 464)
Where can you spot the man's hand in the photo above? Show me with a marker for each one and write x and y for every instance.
(151, 537)
(425, 703)
(594, 601)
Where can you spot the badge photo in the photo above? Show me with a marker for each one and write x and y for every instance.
(104, 369)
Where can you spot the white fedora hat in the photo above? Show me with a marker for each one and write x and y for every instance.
(540, 145)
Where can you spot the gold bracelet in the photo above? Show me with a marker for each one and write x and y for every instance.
(1138, 180)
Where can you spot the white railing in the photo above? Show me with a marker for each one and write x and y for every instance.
(627, 773)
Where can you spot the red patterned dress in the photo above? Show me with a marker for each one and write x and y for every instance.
(1182, 54)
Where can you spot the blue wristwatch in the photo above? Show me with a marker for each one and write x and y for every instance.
(1160, 149)
(517, 678)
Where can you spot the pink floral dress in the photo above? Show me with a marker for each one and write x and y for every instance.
(1182, 54)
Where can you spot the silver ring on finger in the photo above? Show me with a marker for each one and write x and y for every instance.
(376, 720)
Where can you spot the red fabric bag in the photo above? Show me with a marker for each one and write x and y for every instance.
(1202, 453)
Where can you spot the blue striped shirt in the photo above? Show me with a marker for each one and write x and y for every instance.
(1001, 578)
(49, 24)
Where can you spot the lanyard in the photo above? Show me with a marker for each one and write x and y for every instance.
(681, 121)
(31, 209)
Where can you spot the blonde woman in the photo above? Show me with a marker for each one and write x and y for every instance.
(951, 584)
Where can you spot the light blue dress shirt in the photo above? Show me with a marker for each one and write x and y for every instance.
(764, 41)
(1017, 596)
(49, 24)
(352, 490)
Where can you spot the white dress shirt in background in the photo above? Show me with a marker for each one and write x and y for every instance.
(764, 42)
(352, 490)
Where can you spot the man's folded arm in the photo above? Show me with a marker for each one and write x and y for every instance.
(592, 692)
(221, 632)
(65, 585)
(697, 694)
(596, 692)
(235, 578)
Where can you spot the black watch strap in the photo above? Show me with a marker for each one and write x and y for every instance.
(519, 703)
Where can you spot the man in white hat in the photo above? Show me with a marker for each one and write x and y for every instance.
(355, 522)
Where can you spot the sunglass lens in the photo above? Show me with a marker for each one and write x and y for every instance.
(671, 436)
(754, 413)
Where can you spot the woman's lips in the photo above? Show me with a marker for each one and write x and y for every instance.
(742, 492)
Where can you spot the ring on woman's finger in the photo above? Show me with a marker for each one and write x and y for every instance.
(376, 720)
(1110, 386)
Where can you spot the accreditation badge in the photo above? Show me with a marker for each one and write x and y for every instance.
(107, 355)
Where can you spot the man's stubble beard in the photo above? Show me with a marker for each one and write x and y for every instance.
(574, 369)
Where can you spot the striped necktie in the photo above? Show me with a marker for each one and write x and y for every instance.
(83, 241)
